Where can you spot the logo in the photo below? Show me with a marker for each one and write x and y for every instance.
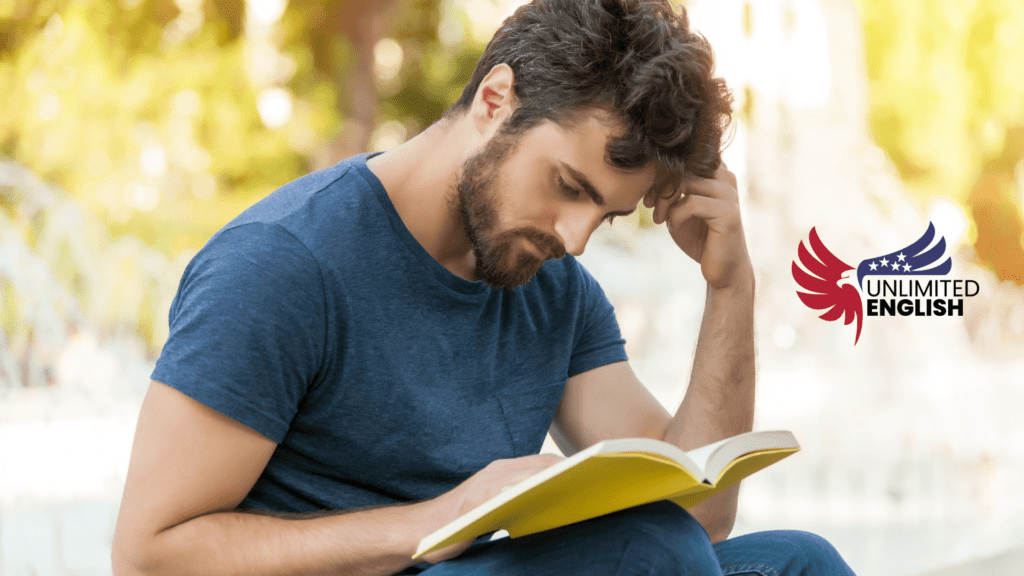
(900, 283)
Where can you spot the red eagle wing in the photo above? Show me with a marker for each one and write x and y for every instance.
(822, 284)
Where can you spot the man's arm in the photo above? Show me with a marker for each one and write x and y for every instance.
(610, 402)
(191, 466)
(719, 401)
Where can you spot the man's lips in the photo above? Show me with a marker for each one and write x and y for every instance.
(541, 245)
(537, 250)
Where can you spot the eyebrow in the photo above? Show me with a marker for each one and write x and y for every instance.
(584, 182)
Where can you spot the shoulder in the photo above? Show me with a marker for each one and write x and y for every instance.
(290, 204)
(294, 219)
(253, 245)
(566, 277)
(248, 267)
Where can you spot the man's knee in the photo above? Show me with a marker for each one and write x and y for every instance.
(786, 552)
(817, 554)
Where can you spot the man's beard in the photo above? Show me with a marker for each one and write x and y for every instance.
(501, 261)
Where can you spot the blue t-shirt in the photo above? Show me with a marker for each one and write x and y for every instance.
(316, 318)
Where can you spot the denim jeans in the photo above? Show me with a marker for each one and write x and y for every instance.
(651, 540)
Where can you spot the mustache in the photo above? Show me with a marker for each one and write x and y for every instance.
(546, 242)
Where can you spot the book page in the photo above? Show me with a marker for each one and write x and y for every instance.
(721, 454)
(702, 455)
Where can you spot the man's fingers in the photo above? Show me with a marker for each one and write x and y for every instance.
(724, 189)
(538, 461)
(524, 465)
(514, 470)
(516, 479)
(663, 205)
(723, 173)
(691, 205)
(721, 187)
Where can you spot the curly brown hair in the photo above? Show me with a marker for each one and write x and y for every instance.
(636, 59)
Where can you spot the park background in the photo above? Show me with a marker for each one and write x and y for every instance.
(131, 130)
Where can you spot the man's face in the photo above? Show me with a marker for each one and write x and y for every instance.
(527, 199)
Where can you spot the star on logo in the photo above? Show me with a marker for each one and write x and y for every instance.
(895, 265)
(885, 262)
(873, 266)
(906, 267)
(901, 256)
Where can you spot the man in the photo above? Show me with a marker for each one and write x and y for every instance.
(379, 347)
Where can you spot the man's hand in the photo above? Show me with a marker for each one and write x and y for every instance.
(478, 489)
(703, 217)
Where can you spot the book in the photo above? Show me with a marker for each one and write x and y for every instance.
(613, 475)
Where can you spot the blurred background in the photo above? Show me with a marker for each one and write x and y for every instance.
(131, 130)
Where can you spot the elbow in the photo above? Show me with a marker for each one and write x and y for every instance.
(718, 522)
(720, 530)
(130, 555)
(125, 562)
(717, 514)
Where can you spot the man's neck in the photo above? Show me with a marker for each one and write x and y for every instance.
(419, 177)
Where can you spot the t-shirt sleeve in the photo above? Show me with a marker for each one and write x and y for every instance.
(598, 341)
(247, 327)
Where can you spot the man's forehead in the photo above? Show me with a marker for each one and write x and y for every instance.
(582, 148)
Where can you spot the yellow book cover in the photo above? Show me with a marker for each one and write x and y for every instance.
(613, 475)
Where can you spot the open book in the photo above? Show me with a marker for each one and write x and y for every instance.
(613, 475)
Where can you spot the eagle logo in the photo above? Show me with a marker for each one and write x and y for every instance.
(830, 285)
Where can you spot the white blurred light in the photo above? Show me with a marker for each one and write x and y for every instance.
(153, 161)
(183, 27)
(632, 321)
(387, 59)
(265, 12)
(107, 193)
(784, 336)
(185, 102)
(809, 77)
(83, 364)
(37, 80)
(145, 197)
(949, 219)
(451, 32)
(204, 186)
(198, 159)
(49, 107)
(54, 27)
(99, 163)
(62, 460)
(260, 62)
(275, 107)
(388, 135)
(485, 17)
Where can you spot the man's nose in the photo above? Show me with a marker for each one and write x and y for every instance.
(574, 231)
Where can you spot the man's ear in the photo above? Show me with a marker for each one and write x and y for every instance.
(494, 100)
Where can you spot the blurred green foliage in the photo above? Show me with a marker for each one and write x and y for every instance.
(947, 105)
(148, 111)
(164, 119)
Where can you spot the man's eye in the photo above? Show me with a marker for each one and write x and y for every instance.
(567, 189)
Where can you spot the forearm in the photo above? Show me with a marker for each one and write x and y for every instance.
(719, 402)
(367, 542)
